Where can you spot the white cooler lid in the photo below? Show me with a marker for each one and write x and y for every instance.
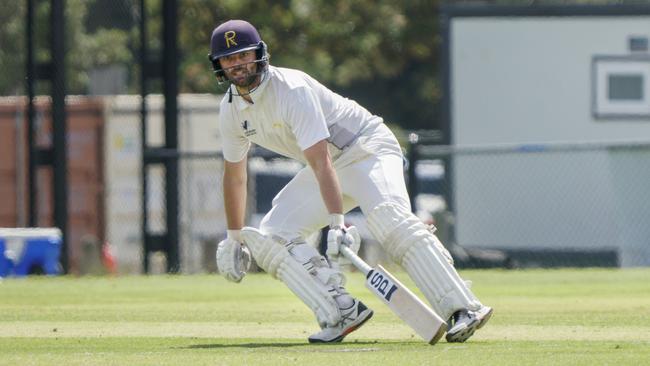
(29, 232)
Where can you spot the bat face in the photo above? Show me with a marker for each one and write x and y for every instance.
(406, 305)
(401, 301)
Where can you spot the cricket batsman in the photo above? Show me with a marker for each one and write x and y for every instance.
(351, 159)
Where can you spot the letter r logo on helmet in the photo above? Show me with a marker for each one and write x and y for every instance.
(230, 38)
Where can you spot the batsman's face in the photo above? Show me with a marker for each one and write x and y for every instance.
(240, 68)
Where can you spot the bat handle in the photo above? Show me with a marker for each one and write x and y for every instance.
(355, 259)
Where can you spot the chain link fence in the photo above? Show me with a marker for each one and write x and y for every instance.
(202, 216)
(556, 204)
(550, 205)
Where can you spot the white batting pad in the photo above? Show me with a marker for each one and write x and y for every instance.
(411, 245)
(432, 229)
(316, 265)
(276, 260)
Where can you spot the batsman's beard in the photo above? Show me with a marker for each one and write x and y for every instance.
(245, 82)
(242, 77)
(249, 84)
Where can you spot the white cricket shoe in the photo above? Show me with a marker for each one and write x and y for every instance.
(464, 323)
(351, 319)
(483, 314)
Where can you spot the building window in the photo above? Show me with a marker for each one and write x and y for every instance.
(625, 87)
(621, 86)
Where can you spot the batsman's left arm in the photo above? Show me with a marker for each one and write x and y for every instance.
(319, 160)
(321, 163)
(233, 258)
(234, 193)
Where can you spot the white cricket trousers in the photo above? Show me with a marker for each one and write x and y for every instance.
(298, 209)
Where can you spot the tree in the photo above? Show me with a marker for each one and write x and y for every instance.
(381, 53)
(12, 55)
(84, 50)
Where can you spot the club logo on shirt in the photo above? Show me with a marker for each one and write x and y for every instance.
(248, 130)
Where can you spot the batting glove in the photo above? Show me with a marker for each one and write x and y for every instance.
(340, 235)
(233, 257)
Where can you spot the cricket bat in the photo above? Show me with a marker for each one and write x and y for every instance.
(408, 307)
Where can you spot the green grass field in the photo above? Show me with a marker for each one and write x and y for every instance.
(542, 317)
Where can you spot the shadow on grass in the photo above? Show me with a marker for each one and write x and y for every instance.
(274, 345)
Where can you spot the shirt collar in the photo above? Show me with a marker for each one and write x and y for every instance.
(255, 95)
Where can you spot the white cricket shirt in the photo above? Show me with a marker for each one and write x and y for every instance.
(291, 111)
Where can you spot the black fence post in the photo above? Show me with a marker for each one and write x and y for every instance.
(144, 75)
(56, 156)
(165, 68)
(31, 132)
(59, 125)
(170, 90)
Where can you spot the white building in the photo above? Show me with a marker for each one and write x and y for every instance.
(552, 95)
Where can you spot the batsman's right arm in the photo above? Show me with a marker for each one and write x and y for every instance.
(234, 193)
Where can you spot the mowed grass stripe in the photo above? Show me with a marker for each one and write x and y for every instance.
(282, 330)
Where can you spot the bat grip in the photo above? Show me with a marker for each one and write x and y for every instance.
(355, 259)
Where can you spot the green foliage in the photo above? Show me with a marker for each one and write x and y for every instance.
(12, 57)
(382, 53)
(84, 50)
(105, 47)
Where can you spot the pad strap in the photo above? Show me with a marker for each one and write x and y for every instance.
(276, 260)
(410, 244)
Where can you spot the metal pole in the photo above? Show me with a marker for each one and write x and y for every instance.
(446, 106)
(31, 133)
(170, 86)
(59, 125)
(20, 167)
(143, 135)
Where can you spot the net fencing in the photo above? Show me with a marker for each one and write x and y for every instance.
(507, 206)
(552, 204)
